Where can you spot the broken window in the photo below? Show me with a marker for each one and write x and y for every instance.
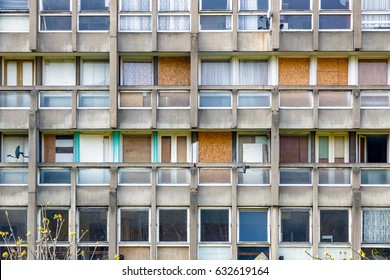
(253, 148)
(376, 226)
(334, 225)
(134, 225)
(172, 225)
(373, 148)
(214, 225)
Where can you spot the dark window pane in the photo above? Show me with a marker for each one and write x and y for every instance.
(253, 5)
(214, 225)
(172, 225)
(93, 222)
(54, 176)
(334, 4)
(295, 226)
(251, 253)
(55, 5)
(56, 23)
(295, 4)
(94, 5)
(335, 21)
(18, 220)
(58, 223)
(288, 22)
(13, 4)
(215, 22)
(94, 23)
(92, 253)
(215, 5)
(334, 226)
(134, 225)
(253, 226)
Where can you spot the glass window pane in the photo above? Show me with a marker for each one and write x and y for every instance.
(174, 5)
(334, 176)
(374, 99)
(59, 73)
(300, 176)
(376, 226)
(207, 5)
(323, 149)
(173, 176)
(134, 225)
(335, 99)
(252, 253)
(295, 225)
(172, 225)
(54, 176)
(94, 5)
(215, 73)
(214, 176)
(58, 223)
(94, 99)
(11, 23)
(173, 99)
(14, 176)
(174, 23)
(334, 226)
(95, 73)
(295, 22)
(254, 176)
(92, 225)
(215, 22)
(56, 23)
(296, 99)
(135, 5)
(92, 176)
(254, 99)
(135, 176)
(18, 219)
(137, 73)
(375, 177)
(215, 100)
(253, 5)
(335, 22)
(214, 225)
(94, 23)
(335, 4)
(93, 253)
(135, 23)
(55, 99)
(253, 226)
(14, 5)
(253, 72)
(295, 4)
(372, 5)
(253, 22)
(214, 253)
(14, 99)
(55, 5)
(375, 22)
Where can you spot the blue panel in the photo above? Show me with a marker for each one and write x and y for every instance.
(253, 226)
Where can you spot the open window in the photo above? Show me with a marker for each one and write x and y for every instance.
(373, 148)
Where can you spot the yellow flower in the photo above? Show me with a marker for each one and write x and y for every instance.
(363, 254)
(117, 257)
(28, 233)
(2, 233)
(82, 253)
(6, 214)
(58, 217)
(5, 255)
(23, 253)
(46, 221)
(72, 233)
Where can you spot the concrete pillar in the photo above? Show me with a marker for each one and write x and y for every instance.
(352, 147)
(193, 219)
(33, 25)
(316, 19)
(194, 80)
(315, 213)
(356, 223)
(73, 213)
(234, 214)
(74, 24)
(154, 26)
(234, 108)
(235, 25)
(39, 70)
(312, 156)
(357, 24)
(315, 108)
(274, 222)
(112, 213)
(153, 215)
(114, 63)
(154, 108)
(275, 32)
(356, 108)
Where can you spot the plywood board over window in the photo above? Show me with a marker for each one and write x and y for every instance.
(294, 71)
(174, 71)
(215, 146)
(294, 149)
(332, 71)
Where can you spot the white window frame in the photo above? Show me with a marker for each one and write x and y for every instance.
(216, 184)
(173, 107)
(53, 93)
(135, 60)
(216, 30)
(135, 184)
(133, 243)
(267, 242)
(331, 244)
(338, 185)
(172, 14)
(133, 108)
(335, 107)
(93, 13)
(254, 93)
(296, 209)
(216, 93)
(375, 13)
(298, 108)
(43, 13)
(81, 243)
(375, 93)
(135, 14)
(202, 10)
(93, 93)
(53, 184)
(257, 13)
(174, 136)
(297, 13)
(326, 12)
(158, 226)
(84, 72)
(294, 184)
(200, 242)
(331, 146)
(51, 242)
(16, 108)
(19, 16)
(374, 245)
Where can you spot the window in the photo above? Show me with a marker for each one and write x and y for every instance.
(375, 14)
(296, 15)
(335, 99)
(14, 16)
(55, 100)
(295, 176)
(59, 72)
(19, 73)
(373, 148)
(296, 99)
(61, 234)
(137, 73)
(135, 176)
(215, 176)
(332, 148)
(253, 225)
(173, 99)
(376, 226)
(135, 15)
(93, 99)
(215, 100)
(252, 99)
(335, 15)
(373, 72)
(253, 72)
(15, 99)
(137, 148)
(253, 148)
(14, 5)
(174, 15)
(135, 99)
(55, 15)
(375, 177)
(93, 176)
(172, 225)
(134, 225)
(295, 225)
(215, 22)
(18, 217)
(294, 149)
(374, 99)
(94, 15)
(334, 225)
(174, 148)
(95, 148)
(253, 15)
(95, 73)
(254, 177)
(14, 176)
(215, 73)
(173, 176)
(214, 225)
(14, 148)
(334, 176)
(54, 176)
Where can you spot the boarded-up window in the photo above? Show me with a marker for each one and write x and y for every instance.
(294, 71)
(332, 71)
(137, 148)
(58, 148)
(174, 148)
(294, 149)
(174, 71)
(253, 148)
(215, 146)
(372, 72)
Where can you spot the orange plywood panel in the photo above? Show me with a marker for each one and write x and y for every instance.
(174, 71)
(215, 146)
(332, 71)
(294, 71)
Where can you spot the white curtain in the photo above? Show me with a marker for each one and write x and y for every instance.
(95, 73)
(174, 5)
(136, 23)
(59, 72)
(14, 4)
(215, 73)
(375, 21)
(14, 23)
(174, 23)
(247, 23)
(135, 5)
(94, 99)
(249, 5)
(376, 5)
(376, 226)
(137, 73)
(253, 72)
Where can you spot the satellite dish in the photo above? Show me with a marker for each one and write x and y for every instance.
(17, 153)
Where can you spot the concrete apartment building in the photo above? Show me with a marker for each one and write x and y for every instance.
(198, 129)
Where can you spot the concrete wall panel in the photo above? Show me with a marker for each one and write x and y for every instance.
(296, 41)
(13, 196)
(132, 42)
(92, 195)
(140, 196)
(17, 42)
(254, 41)
(253, 196)
(55, 42)
(335, 41)
(135, 118)
(375, 196)
(93, 119)
(10, 119)
(295, 118)
(335, 196)
(215, 118)
(375, 41)
(208, 41)
(55, 195)
(296, 196)
(214, 196)
(173, 119)
(341, 118)
(55, 119)
(177, 42)
(86, 42)
(173, 196)
(254, 118)
(374, 118)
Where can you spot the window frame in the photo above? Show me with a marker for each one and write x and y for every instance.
(336, 12)
(173, 92)
(64, 94)
(229, 227)
(296, 184)
(268, 227)
(54, 184)
(310, 225)
(134, 107)
(174, 145)
(375, 12)
(93, 94)
(78, 229)
(349, 226)
(296, 12)
(161, 242)
(123, 13)
(335, 107)
(288, 91)
(25, 93)
(136, 60)
(60, 243)
(61, 13)
(135, 184)
(19, 71)
(331, 146)
(372, 244)
(216, 92)
(119, 227)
